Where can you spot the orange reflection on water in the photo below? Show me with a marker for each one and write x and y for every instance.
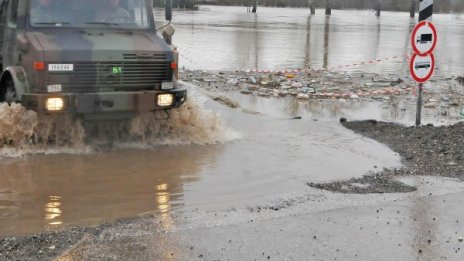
(163, 204)
(53, 211)
(162, 187)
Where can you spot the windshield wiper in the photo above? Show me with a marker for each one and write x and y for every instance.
(103, 23)
(52, 23)
(116, 25)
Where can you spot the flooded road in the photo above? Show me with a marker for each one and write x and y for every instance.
(229, 38)
(248, 158)
(267, 155)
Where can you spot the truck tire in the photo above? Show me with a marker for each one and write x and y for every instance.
(8, 91)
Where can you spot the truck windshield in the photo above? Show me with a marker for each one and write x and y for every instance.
(130, 14)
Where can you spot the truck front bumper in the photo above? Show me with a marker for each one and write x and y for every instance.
(91, 103)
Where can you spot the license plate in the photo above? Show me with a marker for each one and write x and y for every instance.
(166, 86)
(61, 67)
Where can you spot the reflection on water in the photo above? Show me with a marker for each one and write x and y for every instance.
(89, 189)
(390, 109)
(163, 204)
(53, 211)
(307, 58)
(227, 38)
(325, 63)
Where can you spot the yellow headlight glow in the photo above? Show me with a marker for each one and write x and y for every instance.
(165, 100)
(55, 104)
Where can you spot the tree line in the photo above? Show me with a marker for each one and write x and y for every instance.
(387, 5)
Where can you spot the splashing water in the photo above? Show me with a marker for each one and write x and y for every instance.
(24, 132)
(187, 125)
(17, 125)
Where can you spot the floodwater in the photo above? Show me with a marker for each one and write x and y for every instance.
(229, 38)
(254, 158)
(221, 159)
(393, 109)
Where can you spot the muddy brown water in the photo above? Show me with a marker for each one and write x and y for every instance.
(52, 191)
(248, 159)
(53, 174)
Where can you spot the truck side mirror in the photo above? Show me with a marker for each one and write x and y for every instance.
(168, 10)
(22, 43)
(168, 32)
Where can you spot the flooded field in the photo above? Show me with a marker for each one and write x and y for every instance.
(229, 38)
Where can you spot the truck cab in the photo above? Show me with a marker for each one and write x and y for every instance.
(86, 57)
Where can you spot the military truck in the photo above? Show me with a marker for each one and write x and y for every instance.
(86, 57)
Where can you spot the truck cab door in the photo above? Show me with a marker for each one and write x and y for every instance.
(2, 28)
(9, 50)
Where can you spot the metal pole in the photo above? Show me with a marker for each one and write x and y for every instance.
(419, 105)
(425, 13)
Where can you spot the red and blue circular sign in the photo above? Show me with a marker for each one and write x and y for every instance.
(424, 38)
(422, 67)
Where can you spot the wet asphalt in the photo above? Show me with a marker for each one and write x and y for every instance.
(423, 225)
(270, 212)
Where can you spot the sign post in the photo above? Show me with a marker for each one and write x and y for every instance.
(423, 40)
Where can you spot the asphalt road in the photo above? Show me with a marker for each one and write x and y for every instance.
(251, 201)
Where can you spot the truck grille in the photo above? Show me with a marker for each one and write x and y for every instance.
(110, 76)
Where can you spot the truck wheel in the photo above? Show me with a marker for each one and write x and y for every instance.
(8, 92)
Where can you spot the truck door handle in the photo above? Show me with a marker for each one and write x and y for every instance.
(104, 103)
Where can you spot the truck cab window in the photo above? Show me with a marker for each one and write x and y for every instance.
(13, 13)
(129, 14)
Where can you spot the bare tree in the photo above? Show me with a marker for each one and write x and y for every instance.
(328, 7)
(412, 12)
(312, 7)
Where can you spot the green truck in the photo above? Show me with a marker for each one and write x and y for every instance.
(89, 58)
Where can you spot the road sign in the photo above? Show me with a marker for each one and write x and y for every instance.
(424, 38)
(422, 67)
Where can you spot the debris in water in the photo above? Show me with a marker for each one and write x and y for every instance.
(227, 102)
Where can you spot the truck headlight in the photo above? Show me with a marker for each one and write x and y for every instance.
(165, 100)
(54, 104)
